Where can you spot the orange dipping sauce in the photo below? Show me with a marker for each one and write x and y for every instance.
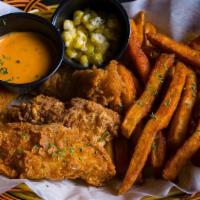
(24, 57)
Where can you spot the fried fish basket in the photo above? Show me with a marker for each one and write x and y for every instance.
(22, 191)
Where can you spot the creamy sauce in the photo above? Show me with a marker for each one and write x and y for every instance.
(24, 57)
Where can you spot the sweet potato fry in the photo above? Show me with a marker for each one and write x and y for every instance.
(195, 44)
(129, 93)
(148, 28)
(140, 20)
(159, 121)
(180, 121)
(150, 50)
(158, 153)
(186, 53)
(143, 105)
(184, 154)
(138, 57)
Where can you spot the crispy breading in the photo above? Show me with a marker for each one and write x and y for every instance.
(53, 152)
(6, 97)
(59, 85)
(113, 86)
(143, 105)
(90, 116)
(179, 124)
(158, 122)
(182, 156)
(186, 53)
(140, 60)
(41, 110)
(101, 123)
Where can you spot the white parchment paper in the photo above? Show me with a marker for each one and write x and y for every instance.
(178, 18)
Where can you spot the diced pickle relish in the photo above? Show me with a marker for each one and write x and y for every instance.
(90, 37)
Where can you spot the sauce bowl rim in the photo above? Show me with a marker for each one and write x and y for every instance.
(122, 48)
(59, 40)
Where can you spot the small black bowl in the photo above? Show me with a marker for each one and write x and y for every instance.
(24, 22)
(67, 8)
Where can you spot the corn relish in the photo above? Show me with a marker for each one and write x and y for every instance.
(91, 37)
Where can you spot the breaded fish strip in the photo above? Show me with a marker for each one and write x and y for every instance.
(181, 118)
(52, 152)
(102, 123)
(158, 122)
(40, 110)
(184, 153)
(186, 53)
(138, 57)
(143, 105)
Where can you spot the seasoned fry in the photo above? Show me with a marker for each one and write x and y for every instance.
(159, 121)
(150, 50)
(158, 153)
(179, 125)
(140, 20)
(137, 55)
(121, 155)
(195, 44)
(184, 154)
(148, 28)
(186, 53)
(143, 105)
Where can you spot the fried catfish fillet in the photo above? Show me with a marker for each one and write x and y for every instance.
(90, 116)
(52, 152)
(112, 87)
(59, 85)
(100, 123)
(41, 110)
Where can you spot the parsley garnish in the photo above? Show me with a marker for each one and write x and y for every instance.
(62, 152)
(36, 147)
(104, 136)
(160, 77)
(153, 116)
(10, 79)
(155, 93)
(23, 135)
(3, 70)
(194, 87)
(71, 151)
(81, 159)
(140, 103)
(167, 103)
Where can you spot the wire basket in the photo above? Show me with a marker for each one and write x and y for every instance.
(22, 191)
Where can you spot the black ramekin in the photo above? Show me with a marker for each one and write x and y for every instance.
(24, 22)
(67, 8)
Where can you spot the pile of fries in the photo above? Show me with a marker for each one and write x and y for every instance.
(163, 123)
